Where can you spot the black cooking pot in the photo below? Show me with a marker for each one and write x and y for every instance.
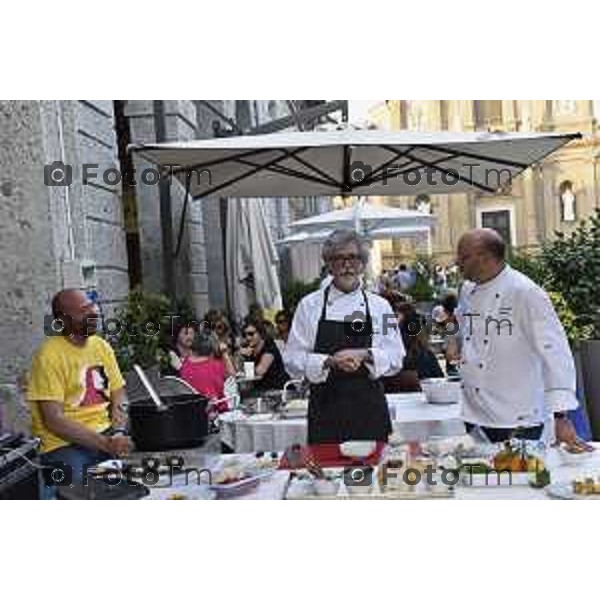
(181, 423)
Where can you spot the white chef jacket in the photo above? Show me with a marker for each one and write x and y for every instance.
(518, 369)
(301, 361)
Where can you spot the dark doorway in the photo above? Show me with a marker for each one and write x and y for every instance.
(500, 221)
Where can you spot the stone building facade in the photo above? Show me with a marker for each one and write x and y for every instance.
(552, 196)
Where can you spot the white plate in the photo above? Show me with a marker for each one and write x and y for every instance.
(564, 491)
(357, 448)
(225, 490)
(196, 492)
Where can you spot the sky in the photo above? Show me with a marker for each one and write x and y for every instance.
(358, 109)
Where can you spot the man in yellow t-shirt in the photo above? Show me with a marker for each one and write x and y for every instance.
(75, 391)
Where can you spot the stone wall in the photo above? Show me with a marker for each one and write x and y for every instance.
(190, 266)
(48, 233)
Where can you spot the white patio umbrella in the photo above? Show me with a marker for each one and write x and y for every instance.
(365, 217)
(352, 162)
(319, 236)
(251, 258)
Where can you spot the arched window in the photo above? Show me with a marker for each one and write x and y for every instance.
(565, 107)
(423, 204)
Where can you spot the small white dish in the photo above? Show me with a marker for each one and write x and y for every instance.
(357, 448)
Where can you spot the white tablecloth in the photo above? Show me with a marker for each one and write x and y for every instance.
(412, 419)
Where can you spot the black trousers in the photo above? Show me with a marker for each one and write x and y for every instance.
(500, 434)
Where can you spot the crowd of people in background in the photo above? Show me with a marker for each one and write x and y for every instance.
(209, 353)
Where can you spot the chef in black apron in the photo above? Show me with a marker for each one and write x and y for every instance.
(343, 340)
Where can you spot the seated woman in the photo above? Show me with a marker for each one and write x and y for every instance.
(260, 348)
(419, 362)
(179, 347)
(203, 370)
(219, 325)
(283, 321)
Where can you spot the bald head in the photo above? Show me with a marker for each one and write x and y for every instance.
(485, 240)
(481, 254)
(81, 311)
(62, 301)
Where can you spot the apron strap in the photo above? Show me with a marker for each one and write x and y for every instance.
(367, 310)
(325, 300)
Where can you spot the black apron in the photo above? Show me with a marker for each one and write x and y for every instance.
(348, 406)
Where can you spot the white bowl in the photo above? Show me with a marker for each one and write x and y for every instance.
(570, 458)
(357, 448)
(441, 391)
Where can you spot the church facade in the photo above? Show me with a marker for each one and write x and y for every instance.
(552, 196)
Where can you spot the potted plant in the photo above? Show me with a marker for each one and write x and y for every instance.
(144, 330)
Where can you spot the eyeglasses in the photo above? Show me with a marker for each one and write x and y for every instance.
(339, 260)
(249, 333)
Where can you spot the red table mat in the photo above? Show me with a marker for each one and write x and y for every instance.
(326, 455)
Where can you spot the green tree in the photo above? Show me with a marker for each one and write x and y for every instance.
(572, 268)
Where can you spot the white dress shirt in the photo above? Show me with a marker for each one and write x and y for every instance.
(299, 356)
(518, 368)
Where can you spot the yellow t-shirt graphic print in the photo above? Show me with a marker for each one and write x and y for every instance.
(80, 378)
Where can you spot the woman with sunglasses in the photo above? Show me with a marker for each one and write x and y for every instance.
(258, 347)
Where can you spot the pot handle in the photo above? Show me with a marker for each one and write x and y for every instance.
(288, 384)
(234, 398)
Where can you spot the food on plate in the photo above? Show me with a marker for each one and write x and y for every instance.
(235, 470)
(268, 462)
(586, 487)
(540, 479)
(228, 475)
(516, 460)
(296, 405)
(577, 447)
(177, 496)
